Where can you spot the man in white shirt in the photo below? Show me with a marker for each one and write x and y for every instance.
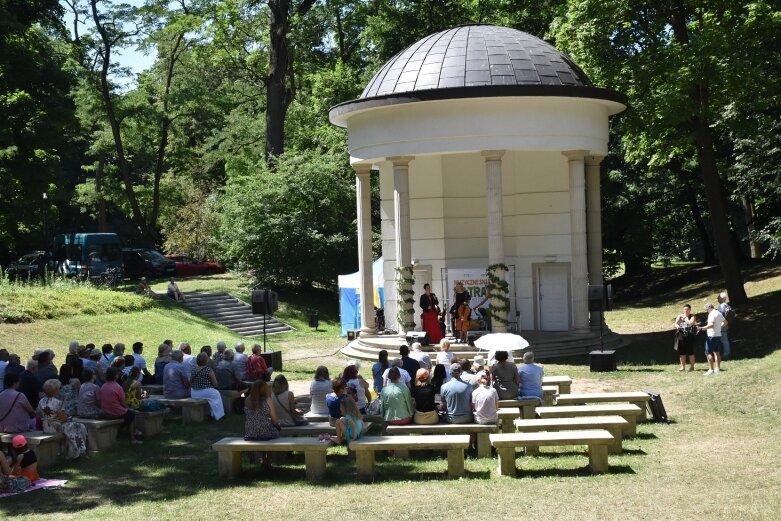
(713, 341)
(725, 309)
(423, 358)
(404, 377)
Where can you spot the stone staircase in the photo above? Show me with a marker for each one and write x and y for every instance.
(233, 313)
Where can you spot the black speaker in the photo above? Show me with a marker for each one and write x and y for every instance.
(471, 336)
(418, 336)
(600, 297)
(601, 361)
(264, 302)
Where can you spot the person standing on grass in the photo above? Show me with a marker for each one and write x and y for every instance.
(726, 311)
(713, 341)
(685, 333)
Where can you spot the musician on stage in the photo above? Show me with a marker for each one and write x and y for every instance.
(460, 296)
(685, 333)
(430, 316)
(463, 319)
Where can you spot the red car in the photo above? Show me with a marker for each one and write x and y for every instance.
(189, 266)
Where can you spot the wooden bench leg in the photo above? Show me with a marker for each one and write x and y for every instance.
(506, 461)
(564, 388)
(228, 464)
(630, 429)
(314, 460)
(364, 463)
(529, 412)
(617, 447)
(194, 414)
(483, 445)
(455, 463)
(533, 450)
(641, 404)
(597, 458)
(401, 453)
(547, 400)
(47, 453)
(507, 424)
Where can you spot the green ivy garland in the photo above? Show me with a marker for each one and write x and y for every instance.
(498, 288)
(404, 283)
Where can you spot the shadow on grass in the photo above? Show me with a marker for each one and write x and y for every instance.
(564, 473)
(645, 436)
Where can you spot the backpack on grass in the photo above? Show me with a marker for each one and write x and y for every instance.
(655, 407)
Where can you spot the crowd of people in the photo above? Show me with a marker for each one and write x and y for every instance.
(106, 383)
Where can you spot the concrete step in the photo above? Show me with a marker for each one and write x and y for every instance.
(235, 314)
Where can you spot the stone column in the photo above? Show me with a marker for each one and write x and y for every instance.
(401, 221)
(493, 176)
(577, 197)
(363, 200)
(594, 226)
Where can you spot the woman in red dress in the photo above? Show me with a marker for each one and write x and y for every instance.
(430, 316)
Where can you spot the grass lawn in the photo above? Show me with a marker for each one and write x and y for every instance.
(717, 460)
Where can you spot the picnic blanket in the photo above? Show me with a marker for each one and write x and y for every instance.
(39, 484)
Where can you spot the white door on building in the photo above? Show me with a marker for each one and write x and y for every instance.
(553, 298)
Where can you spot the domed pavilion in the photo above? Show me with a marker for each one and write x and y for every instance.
(487, 142)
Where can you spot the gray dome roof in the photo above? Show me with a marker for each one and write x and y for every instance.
(475, 56)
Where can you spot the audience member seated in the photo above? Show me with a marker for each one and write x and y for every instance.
(73, 366)
(173, 292)
(113, 405)
(456, 398)
(240, 359)
(134, 393)
(378, 371)
(404, 376)
(24, 462)
(119, 364)
(423, 358)
(530, 375)
(14, 365)
(467, 375)
(144, 288)
(94, 363)
(188, 359)
(395, 400)
(423, 398)
(89, 396)
(356, 385)
(485, 402)
(29, 384)
(260, 422)
(9, 482)
(16, 413)
(140, 362)
(350, 426)
(284, 402)
(176, 377)
(4, 357)
(203, 383)
(228, 375)
(163, 358)
(505, 377)
(445, 357)
(46, 369)
(407, 363)
(439, 378)
(69, 391)
(55, 419)
(334, 400)
(217, 357)
(318, 391)
(257, 369)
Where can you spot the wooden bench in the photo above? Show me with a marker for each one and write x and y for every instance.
(613, 424)
(316, 417)
(564, 383)
(101, 434)
(526, 405)
(507, 415)
(153, 389)
(46, 446)
(597, 441)
(229, 454)
(453, 444)
(549, 392)
(150, 423)
(629, 412)
(634, 397)
(229, 396)
(310, 429)
(194, 410)
(481, 431)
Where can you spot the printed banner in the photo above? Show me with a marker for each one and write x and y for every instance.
(475, 282)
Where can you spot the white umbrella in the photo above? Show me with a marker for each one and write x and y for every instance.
(501, 342)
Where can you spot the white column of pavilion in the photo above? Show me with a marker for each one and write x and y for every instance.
(577, 196)
(363, 201)
(594, 226)
(493, 176)
(401, 221)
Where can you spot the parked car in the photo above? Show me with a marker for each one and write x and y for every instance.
(159, 264)
(189, 266)
(30, 266)
(87, 255)
(135, 265)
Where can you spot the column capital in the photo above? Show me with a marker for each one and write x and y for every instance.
(362, 168)
(492, 155)
(594, 160)
(575, 155)
(400, 160)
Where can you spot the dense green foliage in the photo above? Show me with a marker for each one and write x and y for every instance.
(178, 156)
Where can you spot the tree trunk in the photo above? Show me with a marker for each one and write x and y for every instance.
(690, 198)
(713, 190)
(748, 212)
(102, 222)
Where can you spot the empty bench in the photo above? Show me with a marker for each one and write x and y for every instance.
(194, 410)
(229, 454)
(453, 444)
(596, 440)
(628, 411)
(46, 446)
(563, 383)
(613, 424)
(101, 434)
(634, 397)
(481, 432)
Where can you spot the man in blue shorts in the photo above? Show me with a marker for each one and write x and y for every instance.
(713, 341)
